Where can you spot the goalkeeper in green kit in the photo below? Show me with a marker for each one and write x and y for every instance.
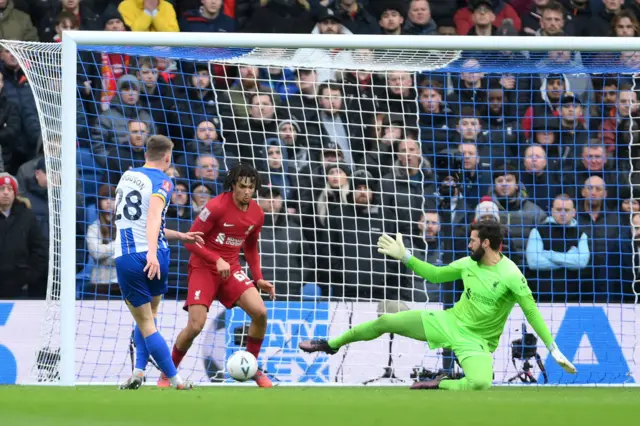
(493, 284)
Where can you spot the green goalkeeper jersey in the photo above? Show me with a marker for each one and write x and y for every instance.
(490, 293)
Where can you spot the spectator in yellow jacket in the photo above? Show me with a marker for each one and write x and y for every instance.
(149, 15)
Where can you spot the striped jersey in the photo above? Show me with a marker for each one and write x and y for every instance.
(133, 194)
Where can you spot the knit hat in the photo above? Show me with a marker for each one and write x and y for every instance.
(7, 179)
(340, 166)
(487, 207)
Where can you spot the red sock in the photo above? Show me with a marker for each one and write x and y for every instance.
(254, 345)
(177, 355)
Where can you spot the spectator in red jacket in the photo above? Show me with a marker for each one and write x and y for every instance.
(502, 10)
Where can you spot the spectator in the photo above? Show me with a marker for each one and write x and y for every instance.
(276, 16)
(434, 116)
(500, 9)
(625, 24)
(379, 156)
(87, 20)
(476, 174)
(10, 129)
(209, 18)
(279, 173)
(15, 24)
(446, 25)
(355, 17)
(541, 184)
(112, 65)
(580, 12)
(595, 162)
(399, 96)
(201, 193)
(552, 20)
(619, 130)
(531, 18)
(470, 87)
(426, 244)
(295, 145)
(101, 236)
(179, 218)
(155, 97)
(243, 87)
(600, 25)
(547, 101)
(338, 123)
(282, 245)
(37, 193)
(573, 131)
(23, 250)
(603, 229)
(149, 15)
(519, 213)
(16, 88)
(419, 20)
(483, 18)
(113, 124)
(455, 211)
(207, 170)
(557, 250)
(405, 187)
(123, 157)
(207, 141)
(366, 274)
(391, 18)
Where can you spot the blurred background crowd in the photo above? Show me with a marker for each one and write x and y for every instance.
(535, 141)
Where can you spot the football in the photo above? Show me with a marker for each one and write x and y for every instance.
(242, 366)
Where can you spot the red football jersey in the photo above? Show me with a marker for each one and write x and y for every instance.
(226, 230)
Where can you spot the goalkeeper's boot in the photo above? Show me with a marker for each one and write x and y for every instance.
(430, 384)
(262, 379)
(163, 381)
(319, 345)
(134, 382)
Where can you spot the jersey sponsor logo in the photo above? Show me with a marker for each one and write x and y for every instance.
(236, 242)
(204, 214)
(166, 185)
(220, 238)
(227, 225)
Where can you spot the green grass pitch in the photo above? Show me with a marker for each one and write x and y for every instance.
(285, 406)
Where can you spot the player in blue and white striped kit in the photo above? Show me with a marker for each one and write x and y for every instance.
(142, 254)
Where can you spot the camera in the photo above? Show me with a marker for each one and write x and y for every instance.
(524, 349)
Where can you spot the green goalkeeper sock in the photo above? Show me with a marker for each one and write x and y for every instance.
(407, 323)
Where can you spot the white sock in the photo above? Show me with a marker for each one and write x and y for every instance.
(176, 380)
(138, 372)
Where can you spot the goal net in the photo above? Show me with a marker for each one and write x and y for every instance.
(352, 143)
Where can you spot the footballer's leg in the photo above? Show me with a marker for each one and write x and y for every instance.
(478, 374)
(155, 343)
(407, 324)
(251, 302)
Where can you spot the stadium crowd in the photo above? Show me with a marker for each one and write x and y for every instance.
(345, 155)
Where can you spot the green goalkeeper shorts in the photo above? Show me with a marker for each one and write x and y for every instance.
(442, 331)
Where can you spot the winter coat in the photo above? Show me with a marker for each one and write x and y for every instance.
(16, 25)
(104, 270)
(192, 21)
(39, 198)
(134, 17)
(553, 246)
(18, 90)
(23, 253)
(276, 18)
(113, 127)
(89, 21)
(502, 10)
(10, 129)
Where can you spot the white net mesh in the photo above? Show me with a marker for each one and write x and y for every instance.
(352, 143)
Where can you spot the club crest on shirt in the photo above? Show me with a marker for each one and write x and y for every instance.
(249, 230)
(166, 185)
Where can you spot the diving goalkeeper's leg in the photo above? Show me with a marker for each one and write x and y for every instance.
(478, 374)
(407, 324)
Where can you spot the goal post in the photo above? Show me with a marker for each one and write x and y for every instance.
(70, 323)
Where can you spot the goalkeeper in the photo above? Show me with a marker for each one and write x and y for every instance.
(472, 328)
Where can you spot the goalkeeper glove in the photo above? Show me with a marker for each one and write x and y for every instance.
(394, 248)
(561, 359)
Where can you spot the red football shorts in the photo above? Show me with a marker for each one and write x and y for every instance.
(205, 286)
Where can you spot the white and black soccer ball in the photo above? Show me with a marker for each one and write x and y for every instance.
(242, 366)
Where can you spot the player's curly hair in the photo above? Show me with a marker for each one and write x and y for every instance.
(490, 230)
(241, 171)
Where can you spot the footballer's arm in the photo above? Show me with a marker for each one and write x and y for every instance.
(154, 221)
(203, 224)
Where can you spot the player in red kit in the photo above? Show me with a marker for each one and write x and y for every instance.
(229, 222)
